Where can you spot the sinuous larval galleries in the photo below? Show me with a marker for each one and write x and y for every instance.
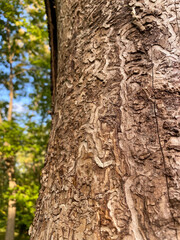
(112, 168)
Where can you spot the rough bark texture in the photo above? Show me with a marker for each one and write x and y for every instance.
(112, 169)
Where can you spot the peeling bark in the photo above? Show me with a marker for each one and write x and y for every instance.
(112, 168)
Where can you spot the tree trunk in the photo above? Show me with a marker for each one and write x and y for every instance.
(112, 168)
(10, 162)
(11, 205)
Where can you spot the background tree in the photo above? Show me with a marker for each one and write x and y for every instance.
(112, 168)
(24, 70)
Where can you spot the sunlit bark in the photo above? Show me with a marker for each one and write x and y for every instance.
(112, 168)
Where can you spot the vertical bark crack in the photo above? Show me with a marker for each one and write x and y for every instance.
(160, 145)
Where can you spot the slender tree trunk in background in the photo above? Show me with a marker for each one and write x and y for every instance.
(11, 94)
(11, 168)
(112, 169)
(10, 83)
(10, 162)
(0, 117)
(11, 205)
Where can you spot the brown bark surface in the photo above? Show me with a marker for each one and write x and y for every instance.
(113, 166)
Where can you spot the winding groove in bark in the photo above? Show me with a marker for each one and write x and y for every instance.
(160, 145)
(112, 169)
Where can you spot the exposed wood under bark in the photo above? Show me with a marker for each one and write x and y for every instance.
(112, 168)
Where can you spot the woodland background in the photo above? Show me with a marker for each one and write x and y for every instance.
(24, 87)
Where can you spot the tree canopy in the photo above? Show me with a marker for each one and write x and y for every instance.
(24, 104)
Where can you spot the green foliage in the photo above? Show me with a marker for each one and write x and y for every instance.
(25, 58)
(11, 139)
(11, 44)
(27, 194)
(28, 148)
(24, 43)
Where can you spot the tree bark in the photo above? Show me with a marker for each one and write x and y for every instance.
(112, 168)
